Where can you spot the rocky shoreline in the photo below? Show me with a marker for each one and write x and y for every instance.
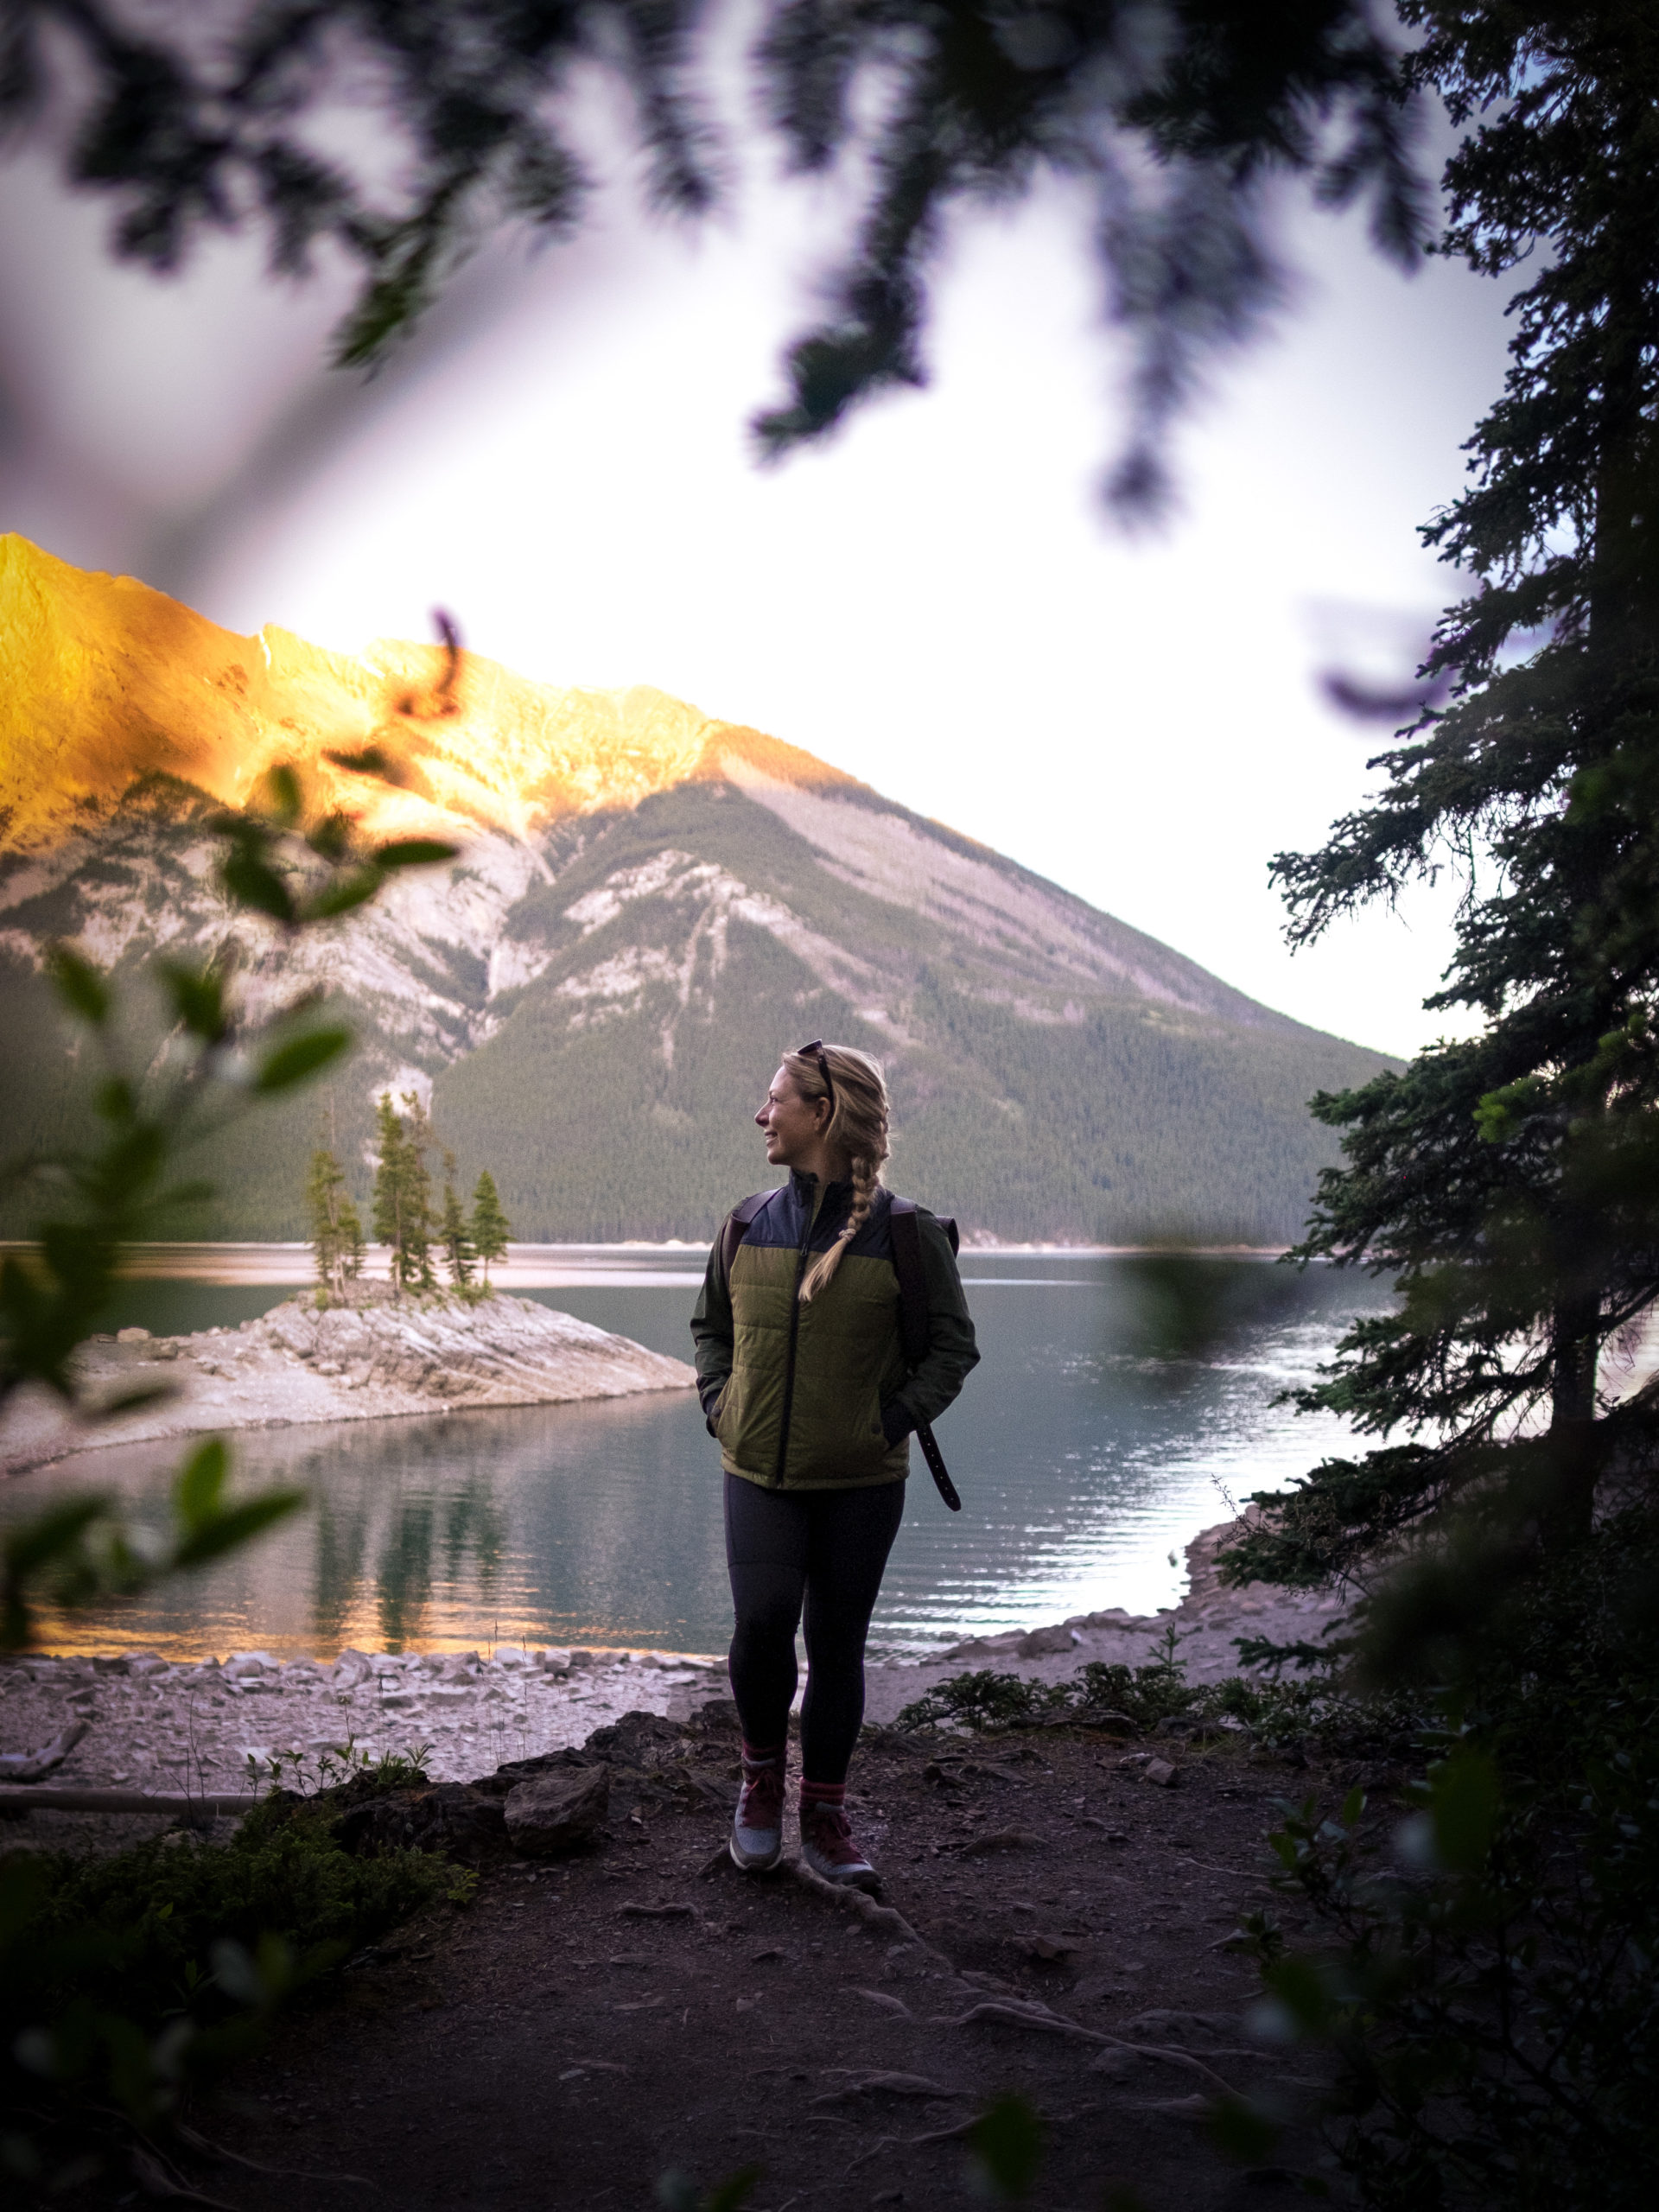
(372, 1360)
(215, 1726)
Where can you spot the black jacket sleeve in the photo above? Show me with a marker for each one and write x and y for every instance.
(711, 1330)
(952, 1354)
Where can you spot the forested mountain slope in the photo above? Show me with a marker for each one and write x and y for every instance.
(650, 904)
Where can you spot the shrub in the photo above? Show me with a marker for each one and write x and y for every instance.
(123, 1980)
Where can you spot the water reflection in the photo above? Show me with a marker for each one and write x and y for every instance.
(1084, 1462)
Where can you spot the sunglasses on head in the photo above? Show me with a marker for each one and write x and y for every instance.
(814, 1051)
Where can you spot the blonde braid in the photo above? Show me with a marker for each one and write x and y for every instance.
(857, 1128)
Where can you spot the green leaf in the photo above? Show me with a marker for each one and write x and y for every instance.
(1006, 2142)
(371, 762)
(332, 838)
(727, 2194)
(677, 2192)
(302, 1057)
(351, 891)
(287, 800)
(1465, 1800)
(82, 987)
(200, 1481)
(240, 1524)
(413, 852)
(131, 1401)
(254, 883)
(1300, 1989)
(116, 1100)
(49, 1536)
(198, 996)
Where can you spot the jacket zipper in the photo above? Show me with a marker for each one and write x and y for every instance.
(794, 1330)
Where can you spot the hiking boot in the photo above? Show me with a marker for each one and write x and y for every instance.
(827, 1846)
(758, 1824)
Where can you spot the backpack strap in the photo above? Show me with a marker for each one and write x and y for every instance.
(913, 1283)
(913, 1323)
(737, 1228)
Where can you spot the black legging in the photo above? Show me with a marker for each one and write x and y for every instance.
(829, 1548)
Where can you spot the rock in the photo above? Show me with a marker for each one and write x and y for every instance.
(132, 1335)
(448, 1816)
(293, 1329)
(637, 1739)
(1161, 1772)
(714, 1714)
(1047, 1948)
(557, 1813)
(1045, 1643)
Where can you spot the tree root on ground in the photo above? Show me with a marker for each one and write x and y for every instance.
(1015, 2012)
(865, 1907)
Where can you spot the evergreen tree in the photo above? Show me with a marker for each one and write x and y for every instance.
(403, 1192)
(419, 1219)
(459, 1250)
(336, 1230)
(491, 1228)
(1510, 1182)
(1173, 114)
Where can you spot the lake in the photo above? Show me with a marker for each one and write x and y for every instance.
(1086, 1454)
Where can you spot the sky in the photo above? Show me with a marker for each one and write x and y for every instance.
(935, 601)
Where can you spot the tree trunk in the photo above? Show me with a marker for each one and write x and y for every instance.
(1573, 1414)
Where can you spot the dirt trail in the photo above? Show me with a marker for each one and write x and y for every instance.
(586, 2024)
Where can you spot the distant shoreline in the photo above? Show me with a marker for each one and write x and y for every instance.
(547, 1267)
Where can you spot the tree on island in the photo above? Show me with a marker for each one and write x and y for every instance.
(458, 1247)
(491, 1228)
(336, 1228)
(403, 1220)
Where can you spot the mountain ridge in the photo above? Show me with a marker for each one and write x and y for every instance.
(649, 903)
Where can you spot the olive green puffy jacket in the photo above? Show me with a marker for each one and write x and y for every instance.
(820, 1397)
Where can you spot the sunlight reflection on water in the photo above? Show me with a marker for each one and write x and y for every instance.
(1084, 1467)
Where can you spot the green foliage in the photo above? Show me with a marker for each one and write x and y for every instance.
(677, 2192)
(90, 1195)
(1006, 2142)
(1172, 118)
(984, 1699)
(127, 1980)
(1482, 1969)
(403, 1219)
(491, 1228)
(1510, 1180)
(336, 1229)
(459, 1247)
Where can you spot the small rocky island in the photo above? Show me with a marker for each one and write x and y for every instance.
(374, 1358)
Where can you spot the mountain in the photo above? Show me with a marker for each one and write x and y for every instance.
(649, 904)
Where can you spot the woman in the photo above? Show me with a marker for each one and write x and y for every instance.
(804, 1381)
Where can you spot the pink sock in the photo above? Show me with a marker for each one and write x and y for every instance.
(756, 1761)
(824, 1793)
